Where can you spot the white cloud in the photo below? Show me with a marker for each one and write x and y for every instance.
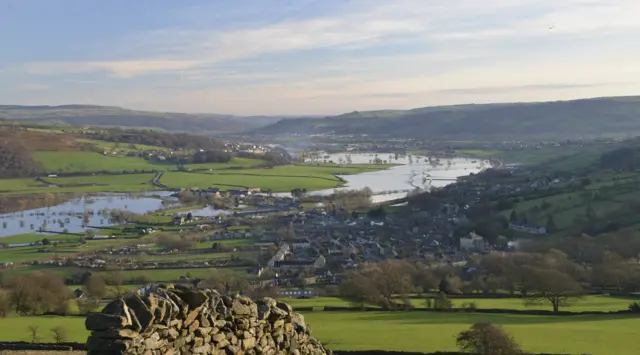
(121, 69)
(455, 51)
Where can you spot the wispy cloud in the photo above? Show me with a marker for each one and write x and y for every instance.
(32, 87)
(121, 69)
(519, 88)
(329, 55)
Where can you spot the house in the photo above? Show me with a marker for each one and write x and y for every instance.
(473, 243)
(301, 243)
(528, 229)
(178, 221)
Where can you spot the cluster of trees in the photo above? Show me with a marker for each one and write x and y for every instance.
(549, 278)
(184, 141)
(38, 293)
(15, 159)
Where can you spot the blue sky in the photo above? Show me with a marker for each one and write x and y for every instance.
(314, 56)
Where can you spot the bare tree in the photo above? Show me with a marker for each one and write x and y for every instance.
(33, 332)
(357, 288)
(59, 334)
(391, 278)
(551, 286)
(39, 292)
(5, 304)
(487, 339)
(95, 286)
(226, 282)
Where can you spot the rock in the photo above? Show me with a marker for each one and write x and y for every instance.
(285, 307)
(248, 343)
(116, 334)
(239, 309)
(195, 325)
(96, 343)
(187, 320)
(263, 312)
(277, 313)
(226, 300)
(267, 301)
(141, 310)
(203, 349)
(234, 350)
(191, 317)
(152, 344)
(104, 321)
(193, 298)
(173, 334)
(204, 320)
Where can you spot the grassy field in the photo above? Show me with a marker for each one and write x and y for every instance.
(57, 162)
(80, 184)
(588, 303)
(14, 328)
(428, 332)
(418, 331)
(613, 189)
(230, 181)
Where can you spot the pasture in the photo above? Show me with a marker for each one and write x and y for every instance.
(429, 332)
(417, 331)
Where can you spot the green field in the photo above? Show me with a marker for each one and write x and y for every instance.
(429, 332)
(588, 303)
(240, 180)
(108, 146)
(14, 328)
(418, 331)
(80, 184)
(60, 161)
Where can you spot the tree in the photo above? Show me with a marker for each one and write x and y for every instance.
(95, 286)
(225, 282)
(487, 339)
(391, 278)
(449, 284)
(33, 331)
(59, 334)
(5, 304)
(357, 288)
(551, 286)
(39, 292)
(513, 218)
(424, 279)
(189, 216)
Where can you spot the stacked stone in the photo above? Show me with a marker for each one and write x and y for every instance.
(178, 320)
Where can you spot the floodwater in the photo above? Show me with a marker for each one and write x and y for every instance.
(79, 215)
(415, 172)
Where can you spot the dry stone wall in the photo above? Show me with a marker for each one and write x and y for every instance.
(178, 320)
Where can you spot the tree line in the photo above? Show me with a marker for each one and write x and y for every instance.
(550, 278)
(177, 141)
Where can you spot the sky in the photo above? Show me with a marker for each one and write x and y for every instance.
(314, 57)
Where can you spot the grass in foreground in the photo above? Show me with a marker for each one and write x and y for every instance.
(428, 332)
(418, 331)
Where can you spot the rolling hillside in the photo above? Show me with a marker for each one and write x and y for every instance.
(613, 116)
(88, 115)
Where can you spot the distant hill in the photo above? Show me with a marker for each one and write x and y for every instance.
(89, 115)
(610, 116)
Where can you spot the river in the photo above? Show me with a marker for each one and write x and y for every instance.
(410, 173)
